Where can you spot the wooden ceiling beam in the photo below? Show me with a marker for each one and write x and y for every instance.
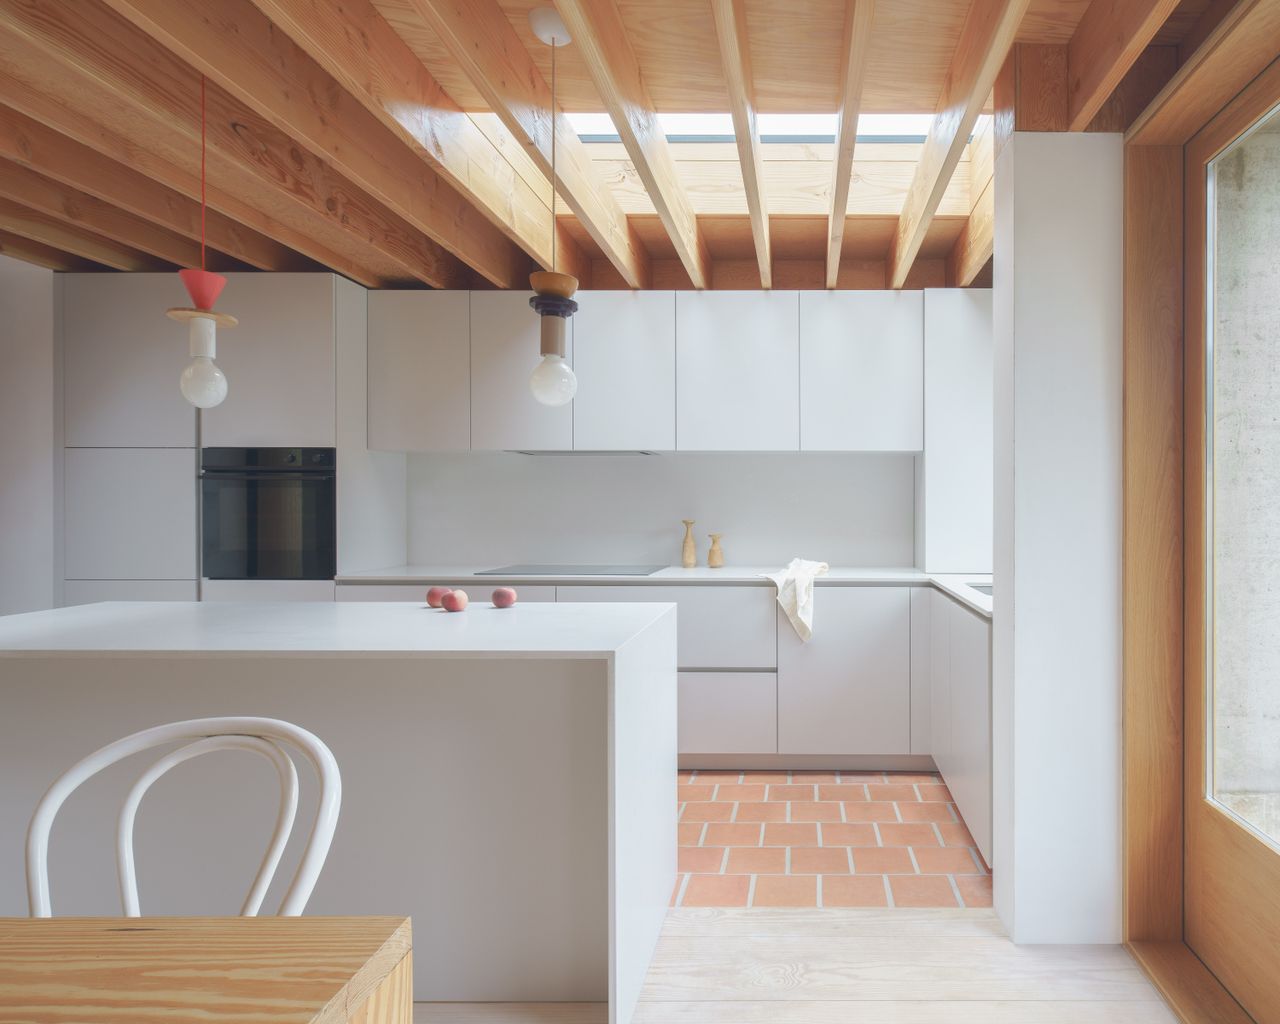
(1105, 45)
(57, 234)
(481, 40)
(42, 255)
(125, 66)
(975, 246)
(988, 33)
(735, 56)
(855, 50)
(33, 145)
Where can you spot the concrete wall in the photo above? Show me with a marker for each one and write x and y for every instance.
(1057, 628)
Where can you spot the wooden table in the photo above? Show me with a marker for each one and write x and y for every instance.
(237, 970)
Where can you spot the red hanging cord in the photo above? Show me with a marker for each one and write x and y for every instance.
(202, 173)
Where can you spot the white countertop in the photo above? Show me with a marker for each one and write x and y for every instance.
(338, 629)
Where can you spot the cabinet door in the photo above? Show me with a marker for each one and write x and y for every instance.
(848, 690)
(719, 626)
(279, 362)
(737, 371)
(121, 361)
(130, 514)
(940, 680)
(624, 353)
(728, 713)
(417, 592)
(266, 590)
(861, 371)
(504, 353)
(419, 371)
(92, 591)
(969, 777)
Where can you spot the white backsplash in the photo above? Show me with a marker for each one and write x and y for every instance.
(489, 509)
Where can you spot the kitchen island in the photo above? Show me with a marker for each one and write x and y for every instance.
(508, 775)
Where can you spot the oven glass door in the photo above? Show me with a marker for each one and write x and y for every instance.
(269, 526)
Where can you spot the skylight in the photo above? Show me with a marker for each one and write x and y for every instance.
(714, 127)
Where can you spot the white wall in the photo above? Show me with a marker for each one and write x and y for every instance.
(28, 441)
(491, 509)
(1057, 658)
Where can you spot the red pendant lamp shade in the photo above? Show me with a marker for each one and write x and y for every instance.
(204, 286)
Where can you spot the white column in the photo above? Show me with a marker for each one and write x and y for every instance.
(1056, 699)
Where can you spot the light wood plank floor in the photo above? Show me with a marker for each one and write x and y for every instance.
(897, 966)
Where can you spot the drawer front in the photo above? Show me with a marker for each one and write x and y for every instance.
(728, 713)
(418, 591)
(718, 627)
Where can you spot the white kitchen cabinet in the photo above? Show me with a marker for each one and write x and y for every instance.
(624, 353)
(969, 777)
(279, 362)
(266, 590)
(130, 513)
(121, 361)
(921, 670)
(848, 690)
(504, 353)
(737, 371)
(91, 591)
(940, 680)
(861, 371)
(420, 371)
(476, 592)
(728, 713)
(720, 627)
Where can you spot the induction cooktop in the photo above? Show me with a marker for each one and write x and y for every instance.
(571, 570)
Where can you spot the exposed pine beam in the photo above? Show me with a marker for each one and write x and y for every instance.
(353, 43)
(235, 45)
(735, 58)
(42, 255)
(975, 245)
(988, 32)
(54, 155)
(481, 40)
(855, 50)
(126, 67)
(1108, 40)
(57, 234)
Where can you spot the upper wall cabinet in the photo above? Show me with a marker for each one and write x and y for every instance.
(121, 361)
(737, 362)
(419, 371)
(861, 371)
(504, 353)
(279, 363)
(624, 353)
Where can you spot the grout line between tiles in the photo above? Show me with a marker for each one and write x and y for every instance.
(684, 884)
(819, 892)
(888, 890)
(751, 891)
(724, 861)
(915, 864)
(956, 889)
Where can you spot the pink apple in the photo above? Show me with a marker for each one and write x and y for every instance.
(454, 601)
(504, 597)
(435, 596)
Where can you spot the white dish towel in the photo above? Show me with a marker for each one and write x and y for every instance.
(795, 592)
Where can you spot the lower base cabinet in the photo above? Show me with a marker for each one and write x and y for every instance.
(418, 592)
(91, 591)
(267, 590)
(728, 713)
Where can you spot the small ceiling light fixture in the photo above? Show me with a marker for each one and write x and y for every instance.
(553, 382)
(202, 383)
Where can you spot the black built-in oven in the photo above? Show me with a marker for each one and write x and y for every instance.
(268, 513)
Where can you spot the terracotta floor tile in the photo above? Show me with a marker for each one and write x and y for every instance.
(702, 859)
(716, 891)
(954, 833)
(802, 811)
(820, 860)
(946, 860)
(690, 833)
(885, 860)
(814, 777)
(716, 776)
(675, 890)
(843, 791)
(790, 792)
(927, 812)
(862, 777)
(787, 834)
(975, 890)
(912, 777)
(766, 777)
(873, 810)
(786, 891)
(891, 791)
(757, 860)
(934, 793)
(694, 792)
(913, 834)
(724, 834)
(684, 775)
(761, 812)
(854, 891)
(919, 891)
(706, 812)
(733, 791)
(839, 834)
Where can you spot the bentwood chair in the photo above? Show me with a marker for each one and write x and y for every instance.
(267, 737)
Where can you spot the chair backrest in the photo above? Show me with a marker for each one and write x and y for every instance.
(267, 737)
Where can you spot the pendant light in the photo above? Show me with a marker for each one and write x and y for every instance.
(553, 382)
(202, 383)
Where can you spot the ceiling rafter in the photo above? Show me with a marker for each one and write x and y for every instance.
(735, 55)
(481, 40)
(42, 255)
(988, 33)
(855, 51)
(57, 234)
(975, 244)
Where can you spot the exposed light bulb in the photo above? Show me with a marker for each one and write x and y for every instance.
(203, 384)
(553, 382)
